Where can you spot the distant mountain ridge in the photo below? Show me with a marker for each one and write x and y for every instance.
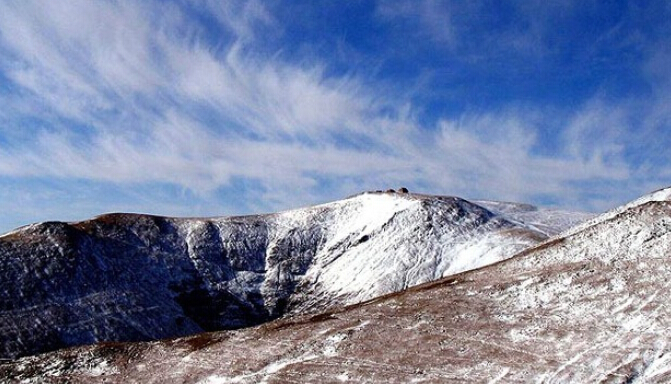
(126, 277)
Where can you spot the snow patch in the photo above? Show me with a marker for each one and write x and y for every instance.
(331, 345)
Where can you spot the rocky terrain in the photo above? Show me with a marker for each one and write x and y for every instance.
(127, 277)
(588, 306)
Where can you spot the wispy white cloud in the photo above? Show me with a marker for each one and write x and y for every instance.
(493, 156)
(432, 18)
(242, 18)
(467, 28)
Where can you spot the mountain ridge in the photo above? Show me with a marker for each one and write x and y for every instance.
(141, 277)
(586, 307)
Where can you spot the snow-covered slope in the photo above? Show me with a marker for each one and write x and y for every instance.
(656, 196)
(548, 221)
(139, 277)
(590, 307)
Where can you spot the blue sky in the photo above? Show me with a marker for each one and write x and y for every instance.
(206, 108)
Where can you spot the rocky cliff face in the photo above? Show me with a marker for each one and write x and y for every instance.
(590, 305)
(126, 277)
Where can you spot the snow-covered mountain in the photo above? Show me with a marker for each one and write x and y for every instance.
(590, 305)
(137, 277)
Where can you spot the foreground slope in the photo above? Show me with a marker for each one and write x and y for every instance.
(137, 277)
(591, 306)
